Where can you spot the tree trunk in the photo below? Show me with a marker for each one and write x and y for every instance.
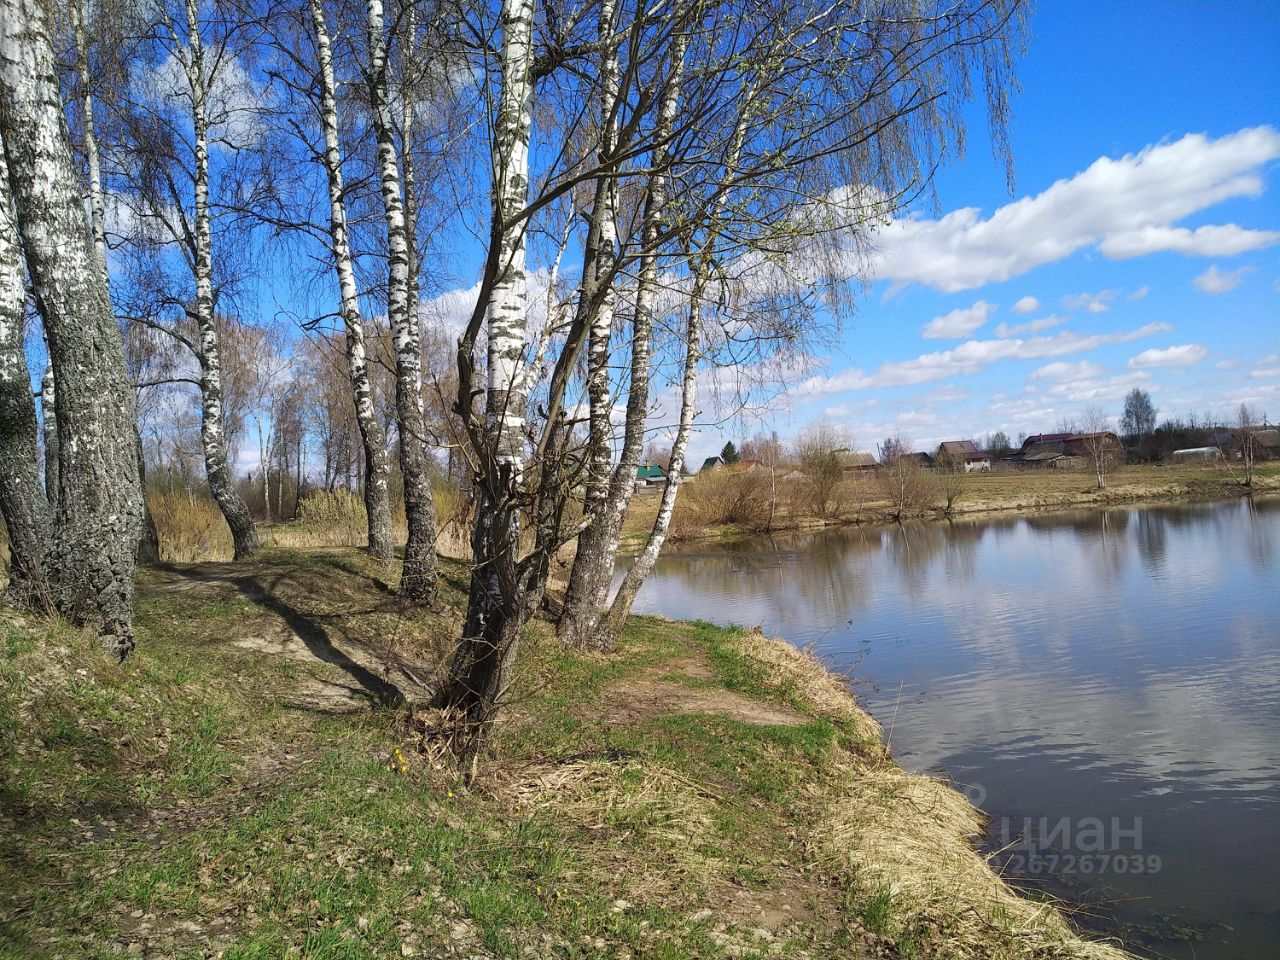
(49, 409)
(601, 540)
(481, 673)
(91, 560)
(610, 626)
(420, 572)
(244, 532)
(22, 501)
(583, 595)
(149, 544)
(377, 501)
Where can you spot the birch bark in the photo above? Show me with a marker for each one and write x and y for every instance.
(149, 544)
(22, 501)
(580, 601)
(49, 410)
(377, 470)
(601, 539)
(496, 609)
(244, 532)
(418, 578)
(91, 560)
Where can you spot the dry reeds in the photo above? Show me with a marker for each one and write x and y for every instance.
(190, 528)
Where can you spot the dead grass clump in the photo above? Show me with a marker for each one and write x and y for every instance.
(333, 518)
(190, 527)
(905, 841)
(662, 817)
(808, 680)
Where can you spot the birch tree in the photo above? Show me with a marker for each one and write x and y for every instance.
(149, 544)
(98, 522)
(420, 572)
(377, 471)
(189, 96)
(22, 501)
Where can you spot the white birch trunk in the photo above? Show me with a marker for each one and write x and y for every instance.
(244, 532)
(22, 503)
(91, 559)
(377, 469)
(49, 412)
(496, 610)
(420, 572)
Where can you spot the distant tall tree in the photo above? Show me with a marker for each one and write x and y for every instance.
(997, 445)
(1139, 419)
(729, 453)
(92, 553)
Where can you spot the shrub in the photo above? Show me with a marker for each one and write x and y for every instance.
(723, 496)
(190, 527)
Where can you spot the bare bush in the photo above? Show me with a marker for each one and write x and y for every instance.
(820, 452)
(723, 497)
(950, 481)
(906, 487)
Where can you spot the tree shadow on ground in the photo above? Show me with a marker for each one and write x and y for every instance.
(316, 638)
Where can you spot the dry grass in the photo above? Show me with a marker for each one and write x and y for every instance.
(191, 528)
(908, 840)
(808, 680)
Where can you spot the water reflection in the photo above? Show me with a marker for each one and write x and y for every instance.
(1118, 663)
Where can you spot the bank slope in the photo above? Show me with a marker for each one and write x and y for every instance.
(256, 782)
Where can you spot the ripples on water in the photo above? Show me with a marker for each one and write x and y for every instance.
(1121, 666)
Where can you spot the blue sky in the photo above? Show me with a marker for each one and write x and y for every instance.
(1142, 243)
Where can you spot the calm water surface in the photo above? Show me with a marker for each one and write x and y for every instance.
(1106, 685)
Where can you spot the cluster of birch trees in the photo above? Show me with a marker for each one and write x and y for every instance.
(636, 194)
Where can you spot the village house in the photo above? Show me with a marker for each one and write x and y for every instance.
(1065, 451)
(964, 452)
(857, 461)
(649, 475)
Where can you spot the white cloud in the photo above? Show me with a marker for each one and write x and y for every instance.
(970, 357)
(1065, 370)
(1099, 302)
(1265, 372)
(1026, 305)
(958, 323)
(1214, 280)
(1033, 326)
(1223, 241)
(1183, 355)
(1140, 293)
(1120, 205)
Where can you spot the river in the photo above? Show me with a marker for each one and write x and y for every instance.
(1104, 684)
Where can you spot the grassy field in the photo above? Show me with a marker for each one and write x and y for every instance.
(861, 499)
(259, 781)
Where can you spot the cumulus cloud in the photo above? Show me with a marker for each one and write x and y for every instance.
(1123, 206)
(1183, 355)
(1026, 305)
(958, 323)
(970, 357)
(1214, 280)
(1033, 326)
(1140, 293)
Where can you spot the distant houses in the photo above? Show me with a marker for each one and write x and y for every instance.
(963, 453)
(1064, 451)
(649, 476)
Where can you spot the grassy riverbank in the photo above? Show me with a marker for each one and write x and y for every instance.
(721, 514)
(251, 784)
